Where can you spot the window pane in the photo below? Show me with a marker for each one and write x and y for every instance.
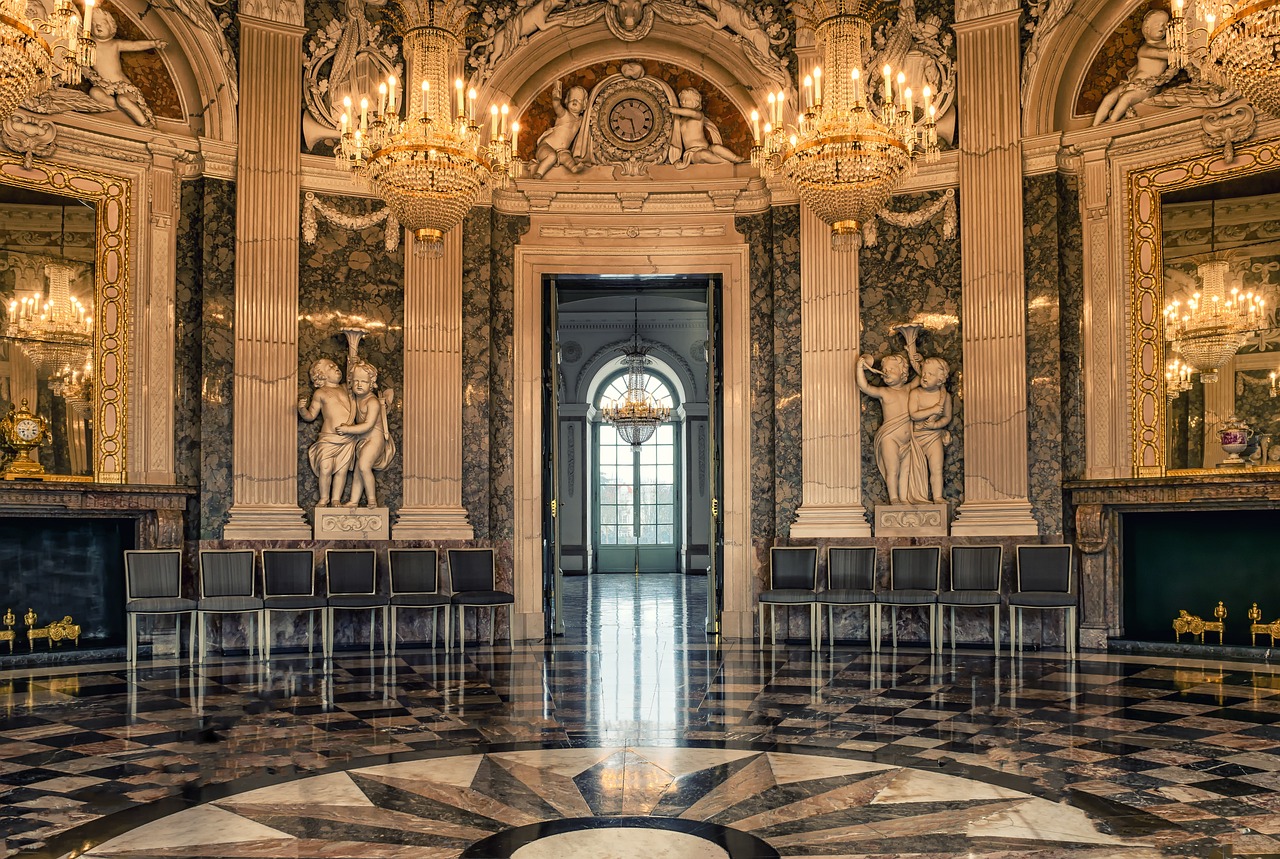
(626, 515)
(625, 495)
(666, 494)
(666, 475)
(666, 534)
(648, 474)
(626, 534)
(608, 436)
(647, 514)
(649, 453)
(608, 515)
(648, 535)
(608, 535)
(608, 495)
(665, 434)
(648, 495)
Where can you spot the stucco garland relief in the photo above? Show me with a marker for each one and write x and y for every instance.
(944, 205)
(313, 207)
(110, 197)
(1147, 287)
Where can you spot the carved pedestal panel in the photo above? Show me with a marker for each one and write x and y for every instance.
(352, 523)
(911, 520)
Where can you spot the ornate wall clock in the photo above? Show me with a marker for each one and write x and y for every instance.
(20, 431)
(630, 121)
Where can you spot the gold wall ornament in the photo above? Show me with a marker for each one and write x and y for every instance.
(8, 634)
(111, 199)
(1146, 280)
(1256, 627)
(1195, 625)
(22, 431)
(60, 630)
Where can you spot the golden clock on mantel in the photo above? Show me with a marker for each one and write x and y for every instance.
(21, 431)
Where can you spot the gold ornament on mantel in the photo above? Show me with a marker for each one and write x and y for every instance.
(22, 431)
(60, 630)
(8, 634)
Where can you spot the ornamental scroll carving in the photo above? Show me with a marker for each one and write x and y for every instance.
(911, 519)
(1093, 528)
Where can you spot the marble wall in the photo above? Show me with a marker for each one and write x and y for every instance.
(204, 350)
(1071, 327)
(347, 279)
(788, 481)
(912, 274)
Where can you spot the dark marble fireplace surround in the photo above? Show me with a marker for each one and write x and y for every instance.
(61, 548)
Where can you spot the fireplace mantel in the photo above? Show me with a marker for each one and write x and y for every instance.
(158, 510)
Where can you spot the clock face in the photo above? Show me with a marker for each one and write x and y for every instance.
(631, 120)
(27, 429)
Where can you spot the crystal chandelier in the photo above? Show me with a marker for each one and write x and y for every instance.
(1241, 50)
(1212, 325)
(1177, 378)
(76, 387)
(53, 332)
(33, 51)
(637, 415)
(422, 155)
(843, 156)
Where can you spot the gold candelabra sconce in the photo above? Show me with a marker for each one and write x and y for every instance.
(56, 632)
(1256, 627)
(1186, 623)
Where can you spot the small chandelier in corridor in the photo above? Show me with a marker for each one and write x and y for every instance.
(637, 415)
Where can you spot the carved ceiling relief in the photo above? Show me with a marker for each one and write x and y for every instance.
(1130, 71)
(129, 78)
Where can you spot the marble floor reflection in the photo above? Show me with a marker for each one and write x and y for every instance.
(634, 716)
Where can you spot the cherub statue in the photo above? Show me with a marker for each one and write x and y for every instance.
(898, 456)
(1148, 75)
(556, 144)
(689, 137)
(931, 413)
(110, 87)
(374, 447)
(333, 452)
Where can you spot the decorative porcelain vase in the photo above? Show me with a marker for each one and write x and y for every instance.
(1235, 436)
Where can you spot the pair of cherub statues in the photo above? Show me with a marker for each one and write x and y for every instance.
(353, 431)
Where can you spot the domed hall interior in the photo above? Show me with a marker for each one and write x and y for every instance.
(506, 429)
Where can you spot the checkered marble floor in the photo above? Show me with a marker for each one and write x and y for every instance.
(1176, 756)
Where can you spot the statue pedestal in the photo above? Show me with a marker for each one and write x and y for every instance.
(352, 523)
(911, 520)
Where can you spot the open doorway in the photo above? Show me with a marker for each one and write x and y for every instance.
(619, 507)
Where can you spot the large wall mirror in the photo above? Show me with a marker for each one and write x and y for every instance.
(1205, 231)
(62, 274)
(1229, 230)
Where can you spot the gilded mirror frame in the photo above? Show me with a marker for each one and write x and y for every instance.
(1146, 284)
(110, 196)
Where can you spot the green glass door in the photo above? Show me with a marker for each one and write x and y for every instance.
(636, 503)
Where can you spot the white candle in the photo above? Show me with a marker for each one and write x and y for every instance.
(755, 125)
(88, 16)
(515, 133)
(426, 90)
(888, 85)
(906, 94)
(493, 121)
(928, 101)
(345, 121)
(502, 127)
(471, 106)
(391, 94)
(457, 85)
(817, 85)
(808, 93)
(364, 113)
(857, 87)
(782, 97)
(902, 82)
(382, 98)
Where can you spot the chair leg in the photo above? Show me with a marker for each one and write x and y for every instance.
(995, 628)
(448, 629)
(1014, 643)
(131, 645)
(493, 621)
(202, 624)
(266, 634)
(191, 637)
(251, 633)
(462, 629)
(311, 631)
(814, 632)
(953, 627)
(373, 623)
(760, 623)
(392, 631)
(831, 626)
(511, 628)
(1070, 631)
(894, 631)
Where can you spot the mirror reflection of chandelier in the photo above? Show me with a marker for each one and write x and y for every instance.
(843, 159)
(56, 331)
(1177, 378)
(1241, 48)
(1211, 326)
(76, 387)
(428, 164)
(35, 50)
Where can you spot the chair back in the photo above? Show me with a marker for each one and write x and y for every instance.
(288, 573)
(351, 572)
(1045, 568)
(413, 571)
(851, 568)
(226, 572)
(471, 570)
(150, 573)
(914, 568)
(976, 568)
(793, 567)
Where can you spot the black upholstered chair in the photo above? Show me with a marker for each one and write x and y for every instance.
(975, 583)
(1044, 582)
(851, 583)
(153, 586)
(415, 583)
(351, 582)
(914, 573)
(472, 577)
(793, 580)
(289, 584)
(227, 587)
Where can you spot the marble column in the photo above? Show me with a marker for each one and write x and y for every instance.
(993, 297)
(831, 465)
(432, 507)
(265, 423)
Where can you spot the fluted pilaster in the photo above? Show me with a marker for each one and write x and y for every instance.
(433, 397)
(831, 465)
(993, 296)
(265, 425)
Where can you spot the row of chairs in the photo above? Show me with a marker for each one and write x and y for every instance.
(1044, 582)
(228, 585)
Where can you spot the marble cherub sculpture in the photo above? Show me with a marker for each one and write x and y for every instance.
(556, 144)
(695, 139)
(374, 447)
(110, 86)
(1151, 72)
(333, 452)
(910, 442)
